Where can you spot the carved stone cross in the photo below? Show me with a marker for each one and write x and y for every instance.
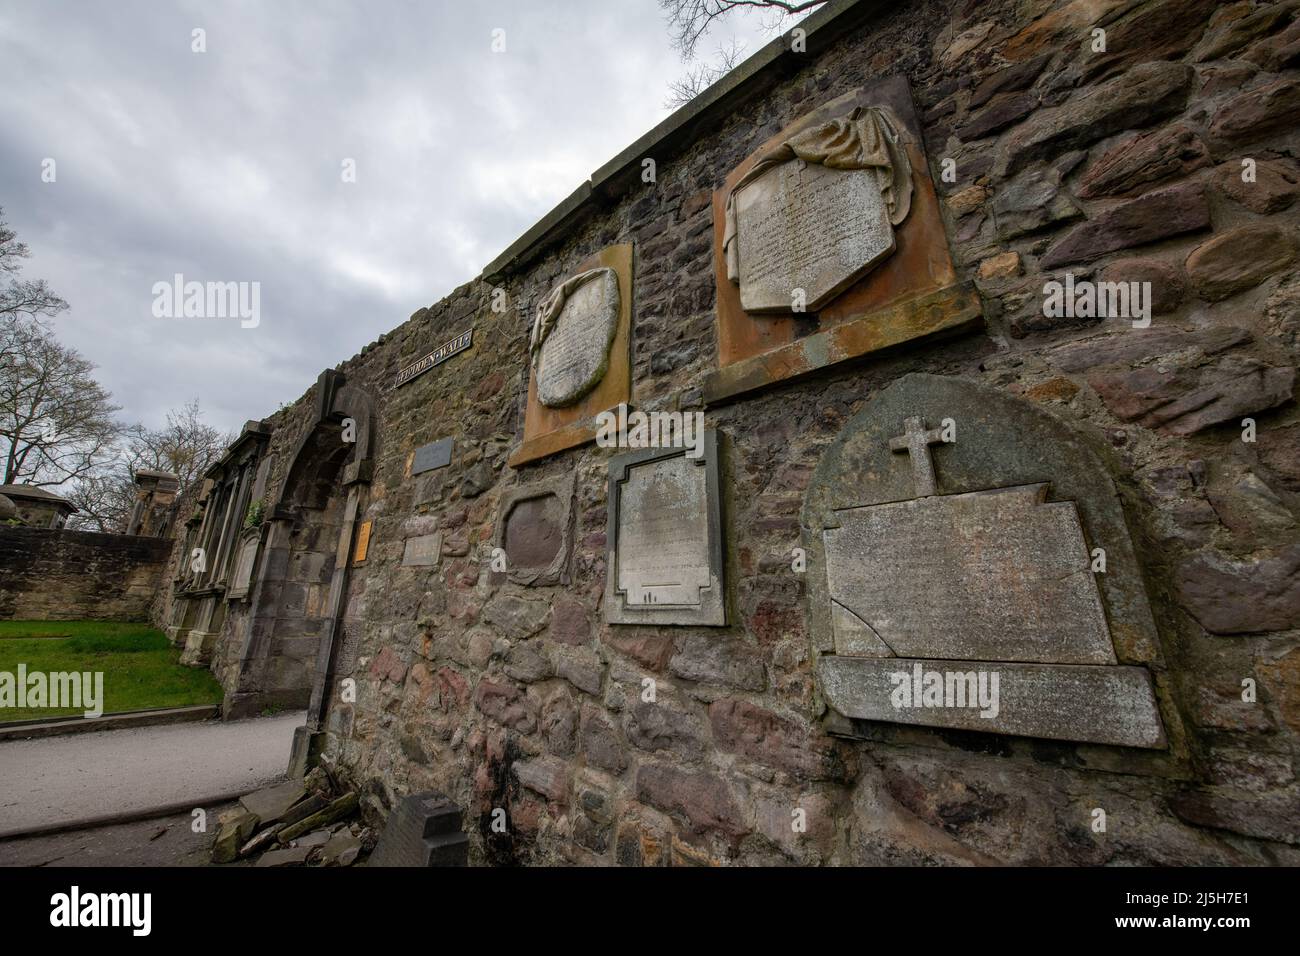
(916, 441)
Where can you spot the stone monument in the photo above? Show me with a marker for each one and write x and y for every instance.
(578, 355)
(961, 560)
(664, 538)
(828, 245)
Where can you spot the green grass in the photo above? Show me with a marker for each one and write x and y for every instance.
(141, 669)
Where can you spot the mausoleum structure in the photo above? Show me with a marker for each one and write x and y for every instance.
(966, 335)
(37, 508)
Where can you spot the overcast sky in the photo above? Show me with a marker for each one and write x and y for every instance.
(227, 165)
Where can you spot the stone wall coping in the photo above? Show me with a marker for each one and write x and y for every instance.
(613, 179)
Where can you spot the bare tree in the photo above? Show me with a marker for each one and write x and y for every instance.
(22, 299)
(186, 446)
(103, 502)
(56, 421)
(690, 20)
(702, 76)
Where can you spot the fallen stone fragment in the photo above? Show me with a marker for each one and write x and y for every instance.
(341, 850)
(292, 856)
(271, 803)
(315, 838)
(233, 833)
(314, 803)
(340, 808)
(261, 841)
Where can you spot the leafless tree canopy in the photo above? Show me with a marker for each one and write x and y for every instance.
(57, 425)
(22, 299)
(689, 20)
(702, 76)
(186, 446)
(56, 421)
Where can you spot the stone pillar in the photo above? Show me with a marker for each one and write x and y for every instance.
(309, 739)
(155, 498)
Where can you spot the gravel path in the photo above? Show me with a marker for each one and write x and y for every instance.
(81, 776)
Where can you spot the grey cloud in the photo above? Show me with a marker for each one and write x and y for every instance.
(225, 166)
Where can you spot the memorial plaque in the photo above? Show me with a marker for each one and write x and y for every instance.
(422, 551)
(802, 226)
(579, 355)
(959, 559)
(840, 205)
(241, 581)
(434, 455)
(534, 529)
(572, 339)
(664, 538)
(363, 543)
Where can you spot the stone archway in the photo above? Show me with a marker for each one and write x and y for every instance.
(299, 600)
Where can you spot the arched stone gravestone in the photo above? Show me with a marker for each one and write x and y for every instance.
(951, 533)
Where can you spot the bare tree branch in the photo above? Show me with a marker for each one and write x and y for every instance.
(690, 20)
(186, 446)
(56, 421)
(682, 91)
(22, 299)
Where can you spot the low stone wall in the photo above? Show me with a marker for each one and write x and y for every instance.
(72, 575)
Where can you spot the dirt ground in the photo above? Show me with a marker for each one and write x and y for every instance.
(165, 841)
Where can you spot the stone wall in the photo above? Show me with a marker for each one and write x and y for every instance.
(60, 575)
(1118, 163)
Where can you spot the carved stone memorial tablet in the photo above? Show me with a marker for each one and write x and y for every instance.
(534, 531)
(571, 340)
(422, 551)
(829, 245)
(664, 538)
(578, 354)
(805, 229)
(950, 533)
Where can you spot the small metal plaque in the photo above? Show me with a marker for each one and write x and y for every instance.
(433, 455)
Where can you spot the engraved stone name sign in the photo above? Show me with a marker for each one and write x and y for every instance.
(966, 566)
(664, 538)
